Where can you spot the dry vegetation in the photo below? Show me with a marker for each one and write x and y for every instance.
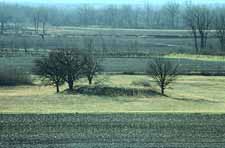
(188, 94)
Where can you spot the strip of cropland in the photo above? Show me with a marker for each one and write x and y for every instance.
(112, 130)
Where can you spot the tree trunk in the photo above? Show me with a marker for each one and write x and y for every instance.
(57, 87)
(2, 27)
(195, 40)
(162, 91)
(37, 26)
(196, 44)
(205, 40)
(35, 23)
(223, 45)
(202, 41)
(70, 83)
(70, 86)
(43, 25)
(172, 24)
(90, 81)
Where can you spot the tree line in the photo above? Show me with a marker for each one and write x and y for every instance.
(200, 19)
(167, 16)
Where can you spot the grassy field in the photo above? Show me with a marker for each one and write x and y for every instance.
(197, 57)
(112, 130)
(188, 94)
(188, 63)
(177, 45)
(132, 40)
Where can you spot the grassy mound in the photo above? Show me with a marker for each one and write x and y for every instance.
(101, 90)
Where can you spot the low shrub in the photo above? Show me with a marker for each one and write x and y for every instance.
(14, 76)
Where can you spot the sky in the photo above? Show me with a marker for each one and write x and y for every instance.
(111, 1)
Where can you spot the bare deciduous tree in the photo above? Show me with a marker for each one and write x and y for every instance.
(40, 16)
(88, 43)
(103, 45)
(72, 63)
(199, 19)
(91, 67)
(133, 49)
(163, 72)
(204, 20)
(111, 13)
(220, 27)
(36, 19)
(126, 14)
(50, 69)
(148, 14)
(91, 63)
(25, 44)
(190, 20)
(172, 10)
(43, 20)
(4, 16)
(136, 17)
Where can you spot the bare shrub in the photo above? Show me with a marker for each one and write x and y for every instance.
(144, 83)
(13, 76)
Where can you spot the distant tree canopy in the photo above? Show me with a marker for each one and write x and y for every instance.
(168, 16)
